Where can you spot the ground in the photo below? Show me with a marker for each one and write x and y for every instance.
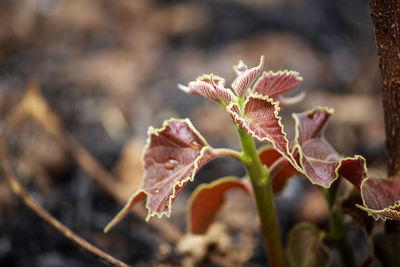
(110, 69)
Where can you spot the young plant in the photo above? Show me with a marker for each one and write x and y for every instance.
(175, 153)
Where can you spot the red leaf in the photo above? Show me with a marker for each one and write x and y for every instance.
(320, 162)
(171, 158)
(381, 197)
(260, 119)
(206, 200)
(322, 165)
(209, 86)
(280, 169)
(272, 84)
(246, 77)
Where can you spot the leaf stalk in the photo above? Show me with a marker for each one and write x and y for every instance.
(337, 232)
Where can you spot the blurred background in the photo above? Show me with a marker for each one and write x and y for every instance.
(109, 69)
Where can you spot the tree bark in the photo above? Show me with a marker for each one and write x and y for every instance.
(385, 15)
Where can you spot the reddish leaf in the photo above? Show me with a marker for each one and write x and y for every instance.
(268, 155)
(280, 169)
(245, 77)
(381, 197)
(272, 84)
(206, 200)
(320, 162)
(211, 87)
(322, 165)
(260, 119)
(171, 158)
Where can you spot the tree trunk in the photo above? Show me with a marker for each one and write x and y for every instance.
(385, 15)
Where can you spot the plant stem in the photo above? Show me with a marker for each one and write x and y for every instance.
(230, 153)
(337, 234)
(262, 188)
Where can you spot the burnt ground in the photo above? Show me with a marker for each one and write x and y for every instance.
(109, 69)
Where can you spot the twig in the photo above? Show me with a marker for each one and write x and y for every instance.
(20, 192)
(35, 106)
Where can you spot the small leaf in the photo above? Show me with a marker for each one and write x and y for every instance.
(280, 169)
(171, 158)
(381, 197)
(273, 84)
(320, 162)
(206, 200)
(240, 68)
(305, 247)
(209, 86)
(246, 77)
(260, 119)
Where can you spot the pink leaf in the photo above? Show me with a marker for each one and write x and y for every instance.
(381, 197)
(209, 86)
(245, 77)
(273, 84)
(171, 158)
(206, 200)
(260, 119)
(319, 160)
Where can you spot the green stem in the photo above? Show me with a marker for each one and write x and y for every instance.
(230, 153)
(263, 194)
(337, 232)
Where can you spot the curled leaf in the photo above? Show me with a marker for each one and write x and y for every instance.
(171, 158)
(280, 169)
(206, 200)
(381, 197)
(209, 86)
(306, 247)
(260, 119)
(322, 165)
(273, 84)
(319, 160)
(245, 77)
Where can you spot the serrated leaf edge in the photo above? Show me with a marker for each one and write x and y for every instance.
(150, 214)
(378, 214)
(274, 74)
(296, 116)
(257, 69)
(289, 155)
